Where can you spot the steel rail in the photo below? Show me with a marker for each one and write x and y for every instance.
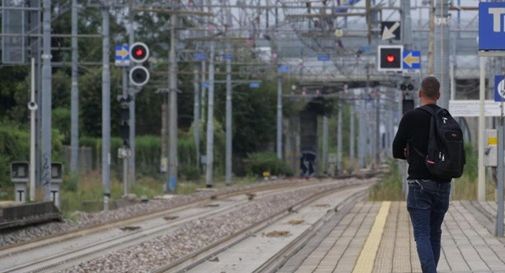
(95, 248)
(61, 260)
(281, 257)
(185, 263)
(40, 242)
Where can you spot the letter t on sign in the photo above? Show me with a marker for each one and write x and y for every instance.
(497, 14)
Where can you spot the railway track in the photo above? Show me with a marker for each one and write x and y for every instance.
(186, 264)
(24, 246)
(60, 252)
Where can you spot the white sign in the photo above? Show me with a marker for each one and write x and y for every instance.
(470, 108)
(497, 15)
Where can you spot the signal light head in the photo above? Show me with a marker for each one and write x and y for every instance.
(139, 75)
(390, 58)
(139, 52)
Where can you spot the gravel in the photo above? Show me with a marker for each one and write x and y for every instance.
(197, 234)
(85, 220)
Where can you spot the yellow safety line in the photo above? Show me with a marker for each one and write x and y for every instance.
(366, 258)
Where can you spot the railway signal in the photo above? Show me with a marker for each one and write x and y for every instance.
(139, 74)
(390, 58)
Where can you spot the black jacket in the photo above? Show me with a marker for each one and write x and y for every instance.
(414, 130)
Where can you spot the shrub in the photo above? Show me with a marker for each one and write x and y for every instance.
(257, 163)
(15, 146)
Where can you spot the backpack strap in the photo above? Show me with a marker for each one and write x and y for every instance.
(418, 152)
(431, 111)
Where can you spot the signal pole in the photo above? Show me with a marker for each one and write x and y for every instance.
(131, 158)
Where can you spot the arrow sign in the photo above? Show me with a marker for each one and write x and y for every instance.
(411, 59)
(122, 55)
(390, 30)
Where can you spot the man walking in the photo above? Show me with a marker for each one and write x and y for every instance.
(429, 184)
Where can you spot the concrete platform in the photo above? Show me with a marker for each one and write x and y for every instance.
(377, 237)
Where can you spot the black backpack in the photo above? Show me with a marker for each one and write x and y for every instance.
(446, 153)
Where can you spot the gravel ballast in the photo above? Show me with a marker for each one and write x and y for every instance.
(85, 220)
(197, 234)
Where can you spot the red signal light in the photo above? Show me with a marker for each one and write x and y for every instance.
(390, 58)
(139, 52)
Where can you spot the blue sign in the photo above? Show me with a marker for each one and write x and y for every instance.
(254, 85)
(228, 56)
(412, 59)
(499, 88)
(205, 84)
(122, 55)
(283, 68)
(491, 26)
(199, 57)
(323, 57)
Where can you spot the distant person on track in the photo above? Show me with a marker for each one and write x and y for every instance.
(431, 142)
(303, 166)
(307, 164)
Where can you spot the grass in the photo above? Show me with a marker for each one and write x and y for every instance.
(463, 188)
(88, 194)
(389, 187)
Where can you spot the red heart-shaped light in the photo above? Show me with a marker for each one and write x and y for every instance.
(390, 58)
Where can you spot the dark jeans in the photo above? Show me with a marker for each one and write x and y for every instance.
(427, 203)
